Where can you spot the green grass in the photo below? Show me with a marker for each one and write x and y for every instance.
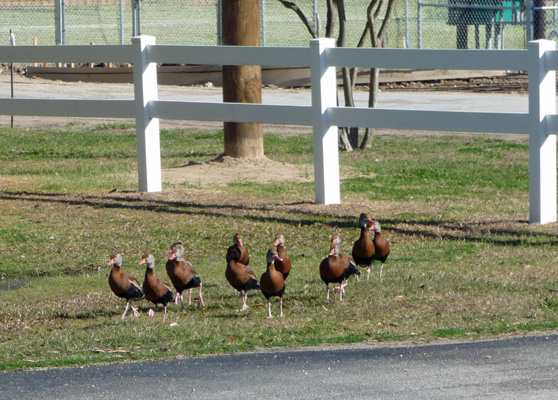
(464, 263)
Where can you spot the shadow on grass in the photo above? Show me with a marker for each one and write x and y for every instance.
(453, 231)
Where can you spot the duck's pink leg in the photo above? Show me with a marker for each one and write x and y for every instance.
(341, 287)
(200, 299)
(244, 300)
(164, 316)
(342, 290)
(190, 297)
(269, 309)
(368, 270)
(135, 311)
(126, 310)
(281, 307)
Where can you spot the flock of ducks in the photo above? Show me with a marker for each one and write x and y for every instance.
(335, 268)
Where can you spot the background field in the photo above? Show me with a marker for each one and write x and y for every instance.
(464, 264)
(187, 22)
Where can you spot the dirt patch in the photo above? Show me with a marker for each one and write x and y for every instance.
(225, 170)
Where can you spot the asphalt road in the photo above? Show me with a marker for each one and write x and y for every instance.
(517, 368)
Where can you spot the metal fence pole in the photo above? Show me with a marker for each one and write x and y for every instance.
(136, 15)
(121, 21)
(315, 14)
(407, 23)
(419, 25)
(220, 22)
(60, 26)
(262, 7)
(528, 20)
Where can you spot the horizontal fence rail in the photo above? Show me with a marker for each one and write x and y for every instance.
(65, 54)
(540, 123)
(231, 112)
(69, 108)
(428, 59)
(430, 120)
(234, 55)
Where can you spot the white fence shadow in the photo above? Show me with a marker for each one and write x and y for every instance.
(540, 60)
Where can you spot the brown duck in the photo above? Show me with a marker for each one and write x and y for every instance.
(183, 275)
(124, 285)
(363, 248)
(272, 283)
(381, 246)
(336, 268)
(283, 263)
(240, 276)
(156, 290)
(239, 244)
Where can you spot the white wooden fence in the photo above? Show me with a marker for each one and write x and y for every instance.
(540, 60)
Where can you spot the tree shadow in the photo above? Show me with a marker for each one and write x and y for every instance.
(491, 231)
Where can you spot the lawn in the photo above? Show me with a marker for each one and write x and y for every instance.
(464, 264)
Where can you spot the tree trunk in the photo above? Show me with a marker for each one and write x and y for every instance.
(242, 83)
(377, 40)
(348, 136)
(366, 143)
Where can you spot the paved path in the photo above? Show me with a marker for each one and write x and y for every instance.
(518, 368)
(443, 101)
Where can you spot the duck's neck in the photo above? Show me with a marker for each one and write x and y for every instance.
(364, 232)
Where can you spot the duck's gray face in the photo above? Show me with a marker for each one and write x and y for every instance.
(279, 240)
(115, 259)
(179, 250)
(149, 260)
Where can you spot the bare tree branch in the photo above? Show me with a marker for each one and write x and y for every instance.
(387, 20)
(301, 15)
(377, 40)
(331, 17)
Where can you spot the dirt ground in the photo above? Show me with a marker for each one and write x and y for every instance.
(225, 170)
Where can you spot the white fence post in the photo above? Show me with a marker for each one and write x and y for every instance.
(542, 147)
(325, 138)
(147, 128)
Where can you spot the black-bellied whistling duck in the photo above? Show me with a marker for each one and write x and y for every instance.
(363, 248)
(124, 285)
(239, 244)
(283, 264)
(182, 274)
(272, 283)
(382, 246)
(336, 268)
(240, 276)
(156, 290)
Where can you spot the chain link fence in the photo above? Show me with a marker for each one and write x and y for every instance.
(427, 24)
